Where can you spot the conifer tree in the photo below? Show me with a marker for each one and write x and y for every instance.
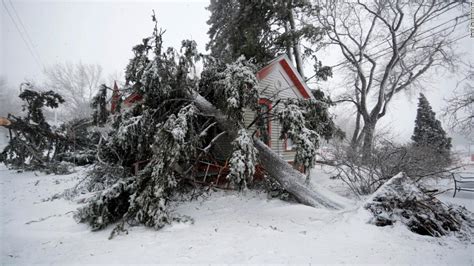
(32, 136)
(428, 130)
(99, 105)
(37, 145)
(35, 101)
(261, 30)
(251, 20)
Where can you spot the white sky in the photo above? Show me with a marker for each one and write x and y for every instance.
(103, 32)
(92, 32)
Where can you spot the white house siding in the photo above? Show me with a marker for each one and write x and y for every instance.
(277, 85)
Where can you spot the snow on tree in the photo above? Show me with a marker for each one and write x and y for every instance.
(167, 129)
(230, 87)
(243, 159)
(35, 101)
(35, 144)
(163, 130)
(238, 86)
(268, 28)
(428, 131)
(305, 121)
(31, 134)
(292, 120)
(143, 199)
(99, 105)
(165, 135)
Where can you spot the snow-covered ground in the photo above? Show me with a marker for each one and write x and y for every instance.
(229, 227)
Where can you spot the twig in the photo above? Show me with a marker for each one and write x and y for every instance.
(47, 217)
(437, 172)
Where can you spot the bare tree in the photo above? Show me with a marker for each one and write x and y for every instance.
(77, 83)
(460, 107)
(388, 47)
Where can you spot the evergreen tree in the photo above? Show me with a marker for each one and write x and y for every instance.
(32, 139)
(264, 29)
(241, 27)
(35, 101)
(428, 130)
(36, 145)
(99, 105)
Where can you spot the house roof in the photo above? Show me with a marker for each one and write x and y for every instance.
(290, 70)
(115, 98)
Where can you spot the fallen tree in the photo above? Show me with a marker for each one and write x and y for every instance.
(288, 177)
(169, 131)
(402, 200)
(36, 145)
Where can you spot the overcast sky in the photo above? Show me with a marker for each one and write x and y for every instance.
(104, 32)
(92, 32)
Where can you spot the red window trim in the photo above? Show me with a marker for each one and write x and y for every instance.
(268, 103)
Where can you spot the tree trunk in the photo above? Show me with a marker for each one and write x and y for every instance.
(355, 135)
(368, 132)
(295, 42)
(278, 169)
(290, 179)
(355, 142)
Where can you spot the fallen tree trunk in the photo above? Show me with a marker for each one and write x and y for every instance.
(278, 169)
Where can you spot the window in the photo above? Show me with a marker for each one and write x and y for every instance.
(289, 145)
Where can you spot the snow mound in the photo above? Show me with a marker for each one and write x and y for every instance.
(402, 200)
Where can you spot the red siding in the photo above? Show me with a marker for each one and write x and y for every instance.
(134, 97)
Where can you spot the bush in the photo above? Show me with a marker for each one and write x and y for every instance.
(416, 161)
(388, 159)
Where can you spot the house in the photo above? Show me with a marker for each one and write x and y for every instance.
(129, 100)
